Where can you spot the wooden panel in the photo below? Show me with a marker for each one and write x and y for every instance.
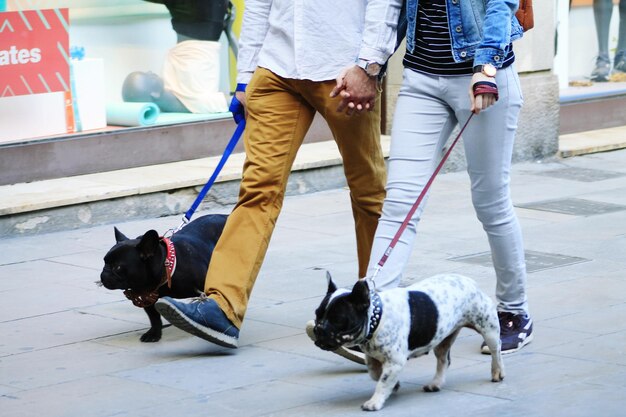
(593, 114)
(586, 3)
(125, 148)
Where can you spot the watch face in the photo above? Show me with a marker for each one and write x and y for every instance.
(373, 69)
(489, 70)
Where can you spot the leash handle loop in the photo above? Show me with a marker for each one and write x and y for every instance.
(411, 212)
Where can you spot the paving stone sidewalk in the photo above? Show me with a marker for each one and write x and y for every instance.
(71, 348)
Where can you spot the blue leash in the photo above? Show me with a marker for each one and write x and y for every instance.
(229, 149)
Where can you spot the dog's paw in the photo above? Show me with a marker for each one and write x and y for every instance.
(432, 388)
(151, 336)
(497, 376)
(372, 405)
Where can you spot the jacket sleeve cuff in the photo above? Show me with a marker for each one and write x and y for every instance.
(489, 56)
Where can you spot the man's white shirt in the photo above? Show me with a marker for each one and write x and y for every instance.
(315, 39)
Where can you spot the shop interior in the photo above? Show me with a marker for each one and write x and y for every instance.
(590, 102)
(125, 67)
(118, 122)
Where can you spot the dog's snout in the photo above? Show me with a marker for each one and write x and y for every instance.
(323, 345)
(110, 281)
(316, 329)
(322, 338)
(320, 330)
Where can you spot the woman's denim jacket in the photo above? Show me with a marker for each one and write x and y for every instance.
(480, 29)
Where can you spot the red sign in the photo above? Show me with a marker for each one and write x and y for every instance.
(34, 52)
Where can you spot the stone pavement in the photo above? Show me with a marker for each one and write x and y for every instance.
(71, 348)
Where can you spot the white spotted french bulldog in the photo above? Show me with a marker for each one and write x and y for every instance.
(393, 326)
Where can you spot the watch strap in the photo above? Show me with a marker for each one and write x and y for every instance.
(482, 68)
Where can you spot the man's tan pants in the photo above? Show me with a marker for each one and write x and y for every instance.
(280, 112)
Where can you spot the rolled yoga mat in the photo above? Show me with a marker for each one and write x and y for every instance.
(132, 114)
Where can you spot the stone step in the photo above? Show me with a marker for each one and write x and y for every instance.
(150, 191)
(592, 141)
(170, 188)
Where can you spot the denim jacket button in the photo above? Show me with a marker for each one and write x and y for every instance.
(496, 58)
(455, 1)
(463, 54)
(458, 29)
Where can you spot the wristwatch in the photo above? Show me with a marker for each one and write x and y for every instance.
(487, 69)
(371, 68)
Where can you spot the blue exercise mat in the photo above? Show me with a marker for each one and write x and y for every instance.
(132, 114)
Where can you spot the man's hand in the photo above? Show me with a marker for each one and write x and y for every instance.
(357, 90)
(481, 101)
(238, 104)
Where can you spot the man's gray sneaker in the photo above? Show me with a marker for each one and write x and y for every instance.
(200, 316)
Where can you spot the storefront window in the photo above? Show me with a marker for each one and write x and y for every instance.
(75, 67)
(591, 65)
(596, 41)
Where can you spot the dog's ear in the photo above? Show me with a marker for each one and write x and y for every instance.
(331, 285)
(360, 295)
(119, 236)
(148, 245)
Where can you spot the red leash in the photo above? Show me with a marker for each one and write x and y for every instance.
(408, 217)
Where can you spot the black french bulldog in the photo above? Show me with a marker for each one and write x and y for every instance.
(150, 267)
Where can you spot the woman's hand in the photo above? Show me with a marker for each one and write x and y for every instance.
(482, 101)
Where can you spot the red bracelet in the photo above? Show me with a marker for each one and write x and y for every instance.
(483, 87)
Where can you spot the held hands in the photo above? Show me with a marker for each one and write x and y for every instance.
(238, 103)
(483, 92)
(357, 90)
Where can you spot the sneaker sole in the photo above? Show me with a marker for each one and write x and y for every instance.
(485, 349)
(355, 357)
(178, 319)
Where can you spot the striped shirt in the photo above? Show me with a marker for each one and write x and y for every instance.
(433, 45)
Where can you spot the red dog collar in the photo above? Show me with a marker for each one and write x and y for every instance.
(170, 261)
